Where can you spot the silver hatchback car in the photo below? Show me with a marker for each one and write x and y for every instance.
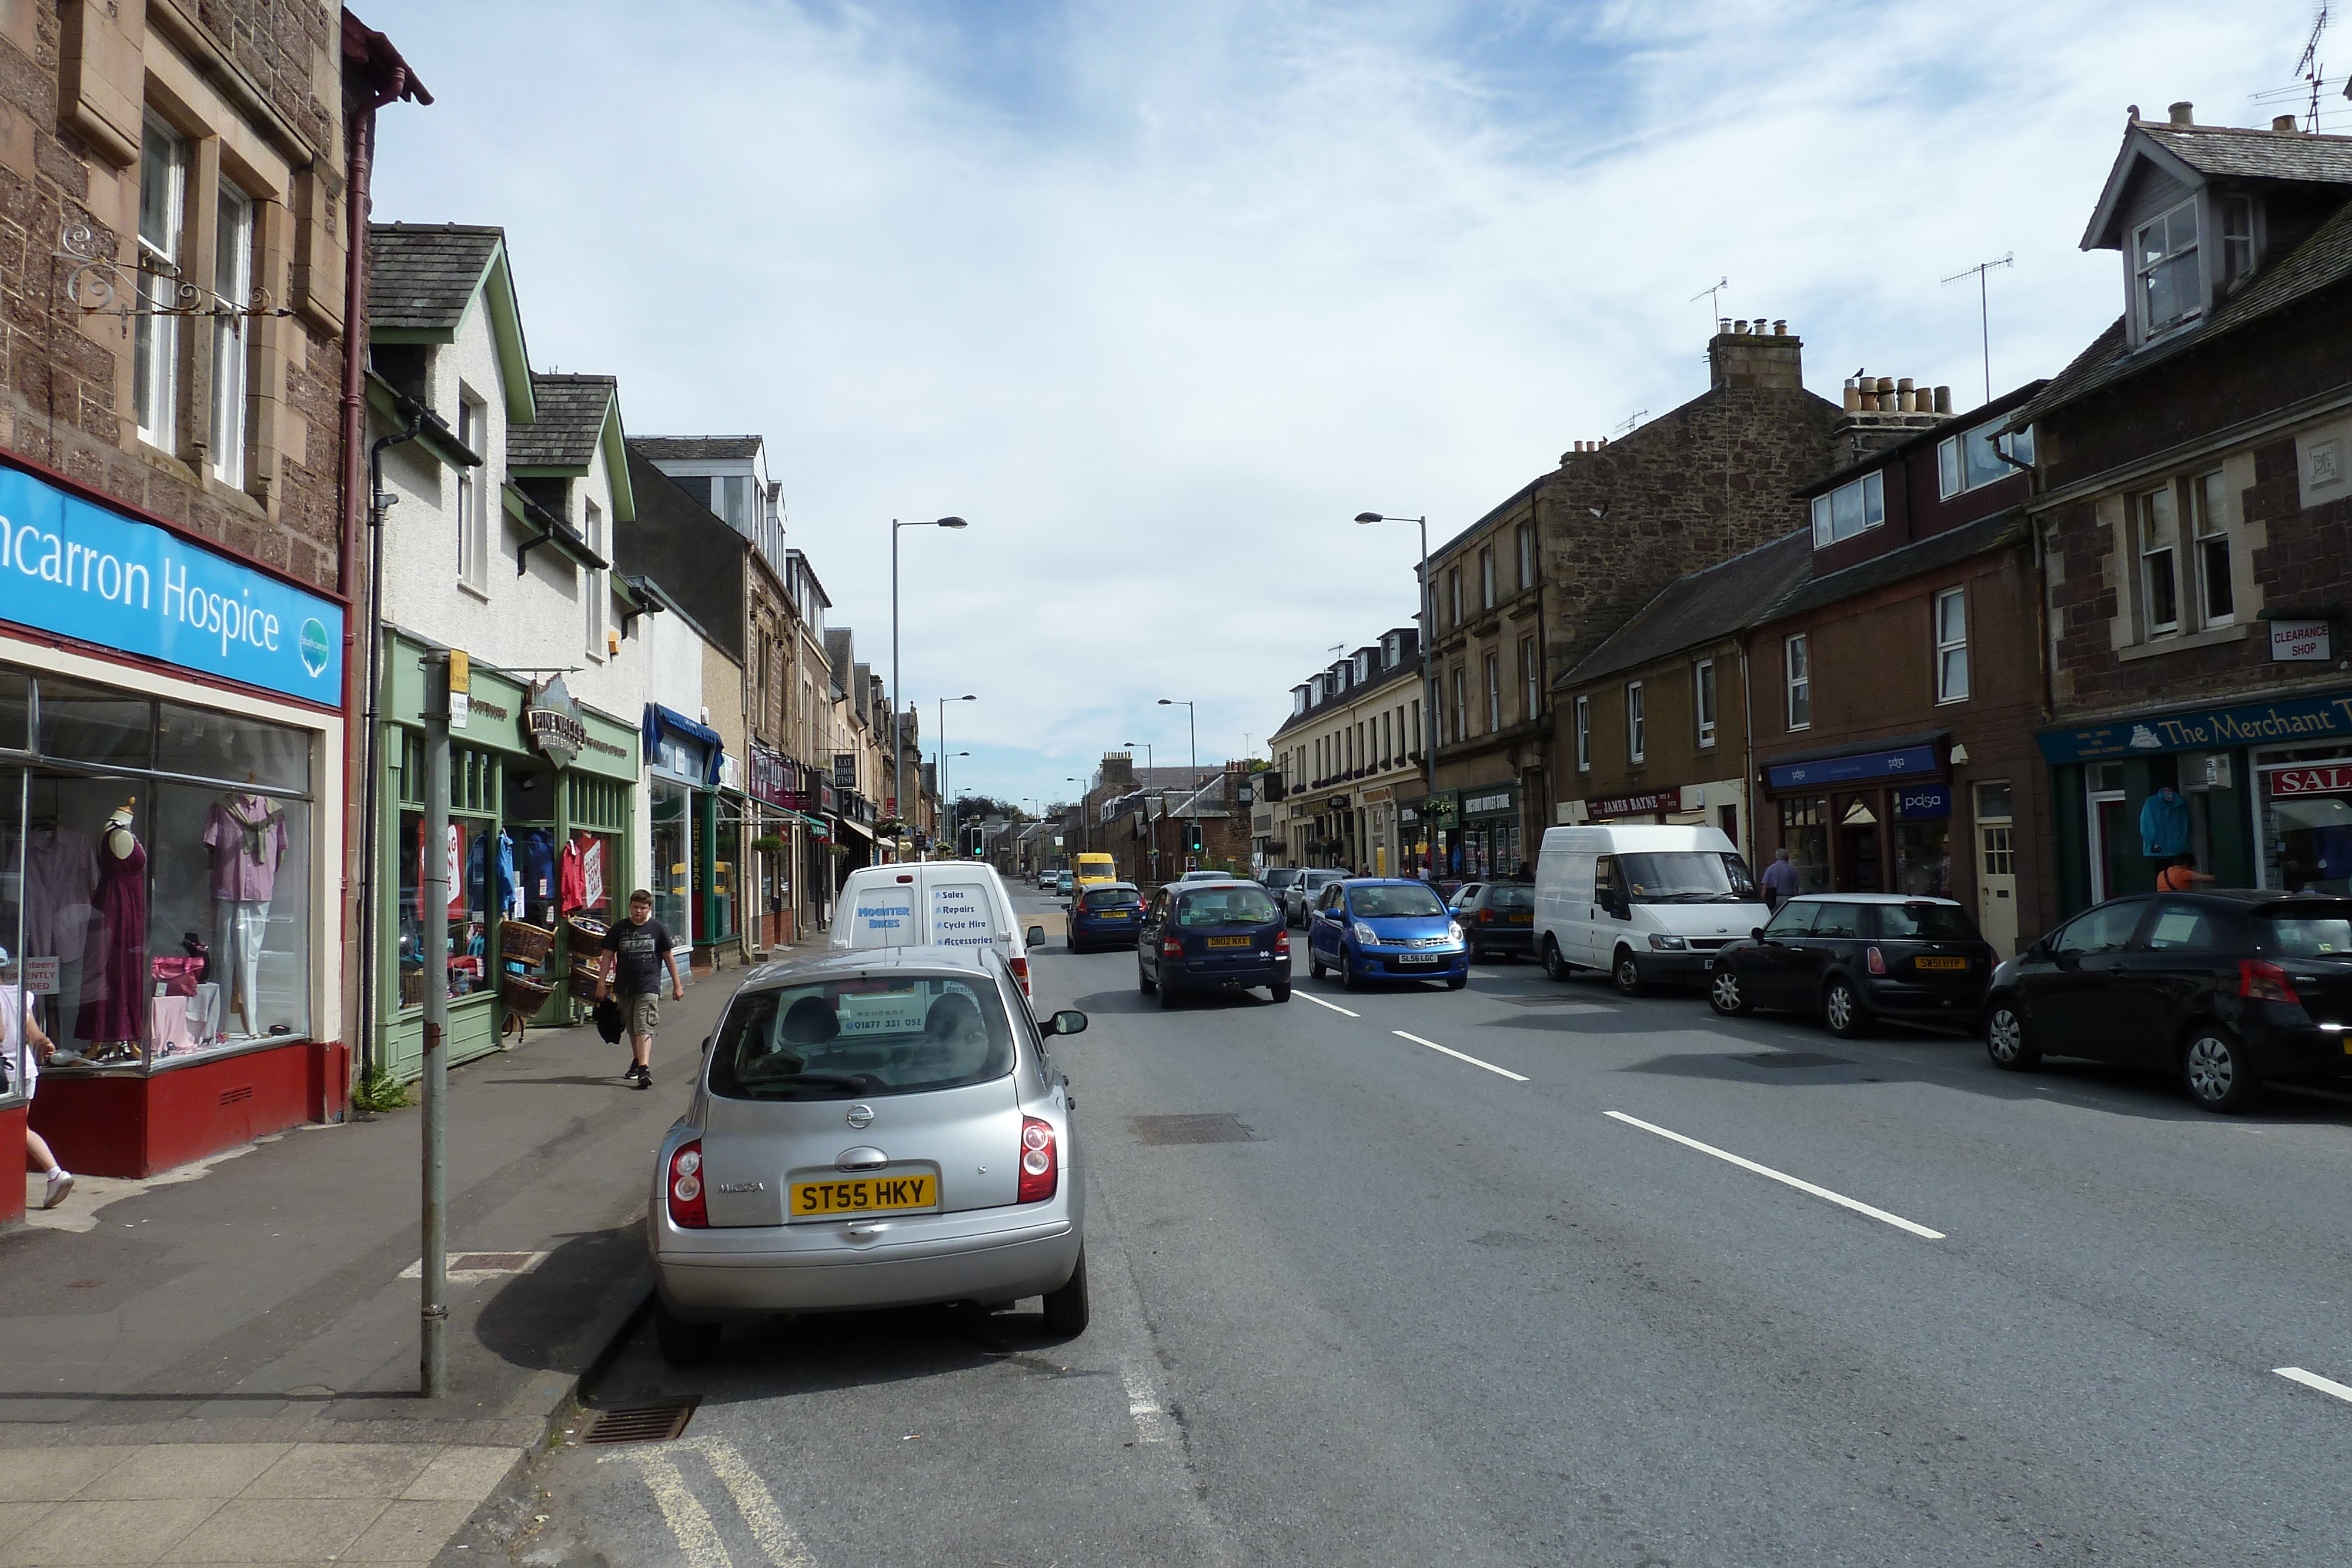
(877, 1128)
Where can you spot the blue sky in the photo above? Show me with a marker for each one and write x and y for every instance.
(1161, 296)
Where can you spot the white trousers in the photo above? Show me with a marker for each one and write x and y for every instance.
(238, 929)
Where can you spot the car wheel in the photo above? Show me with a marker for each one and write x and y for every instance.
(2214, 1068)
(1281, 993)
(1166, 994)
(1314, 965)
(1842, 1009)
(1555, 967)
(1627, 973)
(1143, 981)
(683, 1343)
(1725, 996)
(1478, 954)
(1348, 980)
(2005, 1041)
(1456, 982)
(1066, 1309)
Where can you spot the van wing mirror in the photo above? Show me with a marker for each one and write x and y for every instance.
(1036, 938)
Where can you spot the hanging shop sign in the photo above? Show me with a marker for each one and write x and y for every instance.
(1923, 801)
(551, 719)
(768, 777)
(2255, 724)
(83, 570)
(2301, 642)
(845, 770)
(1910, 761)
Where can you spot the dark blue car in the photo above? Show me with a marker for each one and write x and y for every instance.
(1106, 914)
(1385, 928)
(1204, 936)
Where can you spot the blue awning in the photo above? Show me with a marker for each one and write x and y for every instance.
(659, 718)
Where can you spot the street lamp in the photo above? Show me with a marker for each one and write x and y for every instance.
(1194, 741)
(1131, 745)
(967, 697)
(898, 722)
(1427, 617)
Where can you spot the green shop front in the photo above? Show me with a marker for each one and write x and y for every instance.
(542, 799)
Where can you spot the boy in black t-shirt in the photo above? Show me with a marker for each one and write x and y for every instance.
(635, 954)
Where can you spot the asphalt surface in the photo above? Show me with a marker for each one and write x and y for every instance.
(1409, 1309)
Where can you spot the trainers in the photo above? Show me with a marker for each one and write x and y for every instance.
(645, 1077)
(60, 1184)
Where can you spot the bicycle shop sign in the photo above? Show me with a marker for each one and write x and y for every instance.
(551, 719)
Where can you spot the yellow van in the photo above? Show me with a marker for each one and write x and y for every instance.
(1087, 869)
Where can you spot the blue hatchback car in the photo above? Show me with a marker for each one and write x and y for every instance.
(1385, 928)
(1106, 914)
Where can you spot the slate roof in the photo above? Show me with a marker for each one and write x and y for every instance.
(695, 448)
(1985, 534)
(1725, 598)
(421, 276)
(571, 412)
(2240, 153)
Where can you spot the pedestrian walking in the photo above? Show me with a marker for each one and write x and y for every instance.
(20, 1027)
(2180, 876)
(1780, 880)
(633, 956)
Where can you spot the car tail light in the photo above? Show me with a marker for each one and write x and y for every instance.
(1041, 1165)
(1021, 973)
(1172, 947)
(686, 1209)
(1878, 962)
(2264, 982)
(1282, 942)
(1485, 917)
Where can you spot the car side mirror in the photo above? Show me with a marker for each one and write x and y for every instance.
(1036, 937)
(1069, 1020)
(1757, 932)
(706, 1044)
(2038, 949)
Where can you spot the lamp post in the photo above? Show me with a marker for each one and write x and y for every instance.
(897, 723)
(1131, 745)
(1192, 733)
(1428, 618)
(967, 697)
(945, 800)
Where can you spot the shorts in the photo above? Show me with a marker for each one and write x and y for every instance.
(644, 1013)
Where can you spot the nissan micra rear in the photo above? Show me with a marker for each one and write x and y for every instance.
(883, 1128)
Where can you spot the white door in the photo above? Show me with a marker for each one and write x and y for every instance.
(1996, 868)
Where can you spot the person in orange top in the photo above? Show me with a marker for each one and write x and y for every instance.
(2180, 875)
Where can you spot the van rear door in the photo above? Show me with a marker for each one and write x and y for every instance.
(883, 913)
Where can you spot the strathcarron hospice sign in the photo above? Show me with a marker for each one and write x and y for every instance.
(74, 568)
(2282, 723)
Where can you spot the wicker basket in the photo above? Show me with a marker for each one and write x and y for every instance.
(587, 936)
(587, 981)
(522, 994)
(521, 940)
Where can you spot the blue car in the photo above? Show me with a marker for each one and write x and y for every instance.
(1385, 928)
(1205, 936)
(1106, 915)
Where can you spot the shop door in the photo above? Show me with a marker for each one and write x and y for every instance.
(1858, 860)
(2112, 835)
(1996, 869)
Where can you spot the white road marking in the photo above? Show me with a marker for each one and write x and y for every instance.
(755, 1502)
(1335, 1007)
(2312, 1380)
(1458, 1056)
(689, 1522)
(1785, 1179)
(1152, 1424)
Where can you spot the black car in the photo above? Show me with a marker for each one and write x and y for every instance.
(1498, 917)
(2224, 988)
(1205, 936)
(1854, 957)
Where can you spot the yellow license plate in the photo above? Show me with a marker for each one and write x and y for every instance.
(1940, 963)
(1229, 941)
(864, 1195)
(1111, 914)
(1523, 920)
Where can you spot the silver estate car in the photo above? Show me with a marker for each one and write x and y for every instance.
(875, 1128)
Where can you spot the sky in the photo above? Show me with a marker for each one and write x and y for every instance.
(1159, 295)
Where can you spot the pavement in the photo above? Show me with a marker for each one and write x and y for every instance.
(219, 1365)
(1536, 1273)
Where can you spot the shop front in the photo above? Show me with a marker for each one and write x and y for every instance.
(1431, 826)
(1865, 821)
(542, 801)
(169, 788)
(1489, 843)
(769, 853)
(1379, 832)
(683, 765)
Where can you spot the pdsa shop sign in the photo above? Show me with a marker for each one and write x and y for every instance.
(76, 569)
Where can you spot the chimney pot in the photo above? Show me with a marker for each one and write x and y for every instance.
(2283, 122)
(1739, 328)
(1853, 396)
(1779, 329)
(1943, 400)
(2183, 113)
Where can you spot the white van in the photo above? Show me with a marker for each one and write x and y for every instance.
(926, 904)
(1643, 901)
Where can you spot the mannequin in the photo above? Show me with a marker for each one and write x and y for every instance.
(61, 875)
(115, 962)
(248, 836)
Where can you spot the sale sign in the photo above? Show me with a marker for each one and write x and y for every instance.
(2310, 781)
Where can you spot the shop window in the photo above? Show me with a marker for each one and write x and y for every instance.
(208, 745)
(1584, 735)
(1799, 665)
(232, 290)
(2307, 805)
(2159, 586)
(1923, 858)
(2210, 544)
(1636, 724)
(673, 828)
(1952, 645)
(16, 715)
(1703, 700)
(162, 220)
(96, 724)
(1804, 834)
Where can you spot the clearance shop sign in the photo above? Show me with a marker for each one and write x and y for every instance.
(78, 570)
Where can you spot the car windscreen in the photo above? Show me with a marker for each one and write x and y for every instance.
(1111, 898)
(1226, 906)
(857, 1038)
(1394, 902)
(1516, 895)
(1685, 876)
(2325, 932)
(1927, 922)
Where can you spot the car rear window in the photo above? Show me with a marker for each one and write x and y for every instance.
(857, 1038)
(1111, 898)
(1280, 878)
(2322, 933)
(1512, 898)
(1379, 902)
(1927, 922)
(1226, 906)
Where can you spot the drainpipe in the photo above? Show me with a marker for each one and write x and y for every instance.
(369, 839)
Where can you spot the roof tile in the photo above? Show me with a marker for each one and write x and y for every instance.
(421, 276)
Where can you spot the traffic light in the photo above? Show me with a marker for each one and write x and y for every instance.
(1192, 837)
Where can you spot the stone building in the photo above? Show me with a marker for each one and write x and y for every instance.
(1524, 593)
(1351, 750)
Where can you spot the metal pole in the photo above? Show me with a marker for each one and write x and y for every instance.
(433, 1289)
(898, 729)
(1429, 713)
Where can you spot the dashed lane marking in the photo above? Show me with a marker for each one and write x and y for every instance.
(1458, 1056)
(2312, 1380)
(1785, 1179)
(1335, 1007)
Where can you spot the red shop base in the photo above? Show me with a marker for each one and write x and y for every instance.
(128, 1125)
(12, 1195)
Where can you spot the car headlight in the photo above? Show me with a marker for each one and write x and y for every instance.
(1668, 943)
(1366, 933)
(1453, 931)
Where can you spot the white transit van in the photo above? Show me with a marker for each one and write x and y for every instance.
(1643, 901)
(928, 904)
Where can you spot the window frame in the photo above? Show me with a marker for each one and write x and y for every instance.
(2149, 550)
(1493, 693)
(597, 616)
(1461, 701)
(1870, 491)
(1953, 464)
(2172, 261)
(473, 494)
(1530, 680)
(2209, 543)
(1797, 674)
(1948, 646)
(1637, 723)
(2237, 242)
(1526, 532)
(161, 266)
(1584, 735)
(1703, 702)
(1486, 578)
(236, 225)
(1453, 591)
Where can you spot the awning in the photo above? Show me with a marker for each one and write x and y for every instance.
(659, 718)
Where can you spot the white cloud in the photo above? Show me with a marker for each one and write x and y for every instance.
(1159, 296)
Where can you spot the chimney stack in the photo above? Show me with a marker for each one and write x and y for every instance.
(2184, 113)
(1755, 353)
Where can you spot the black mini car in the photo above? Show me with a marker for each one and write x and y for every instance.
(1854, 957)
(1498, 918)
(2222, 989)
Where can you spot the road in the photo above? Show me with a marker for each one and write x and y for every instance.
(1425, 1294)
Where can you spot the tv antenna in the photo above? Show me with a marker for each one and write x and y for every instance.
(1712, 295)
(1984, 309)
(2308, 67)
(1625, 426)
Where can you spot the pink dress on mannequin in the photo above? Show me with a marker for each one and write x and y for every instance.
(114, 967)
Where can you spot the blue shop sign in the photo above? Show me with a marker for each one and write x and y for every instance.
(2288, 720)
(1923, 801)
(82, 570)
(1911, 760)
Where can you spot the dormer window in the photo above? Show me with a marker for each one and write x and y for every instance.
(1965, 463)
(2237, 238)
(1849, 509)
(1363, 667)
(1298, 701)
(2164, 252)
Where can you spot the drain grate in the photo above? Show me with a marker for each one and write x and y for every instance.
(1224, 1127)
(658, 1422)
(1795, 1059)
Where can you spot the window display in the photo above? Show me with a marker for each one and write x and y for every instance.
(1804, 834)
(2306, 801)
